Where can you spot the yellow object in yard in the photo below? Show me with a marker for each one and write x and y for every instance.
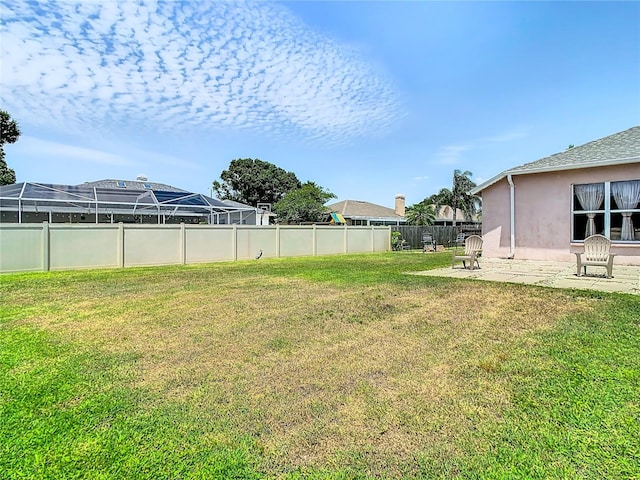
(338, 219)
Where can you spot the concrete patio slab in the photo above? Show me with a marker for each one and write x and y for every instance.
(626, 279)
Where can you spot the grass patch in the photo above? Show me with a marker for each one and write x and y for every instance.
(69, 413)
(576, 404)
(326, 367)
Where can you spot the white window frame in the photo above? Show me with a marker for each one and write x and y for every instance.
(606, 210)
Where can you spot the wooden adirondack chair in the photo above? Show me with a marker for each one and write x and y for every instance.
(472, 250)
(596, 253)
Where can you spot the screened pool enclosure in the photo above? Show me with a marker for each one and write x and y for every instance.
(37, 202)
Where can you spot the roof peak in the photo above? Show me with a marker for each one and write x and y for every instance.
(615, 149)
(132, 185)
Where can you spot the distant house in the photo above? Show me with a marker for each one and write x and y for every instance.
(141, 183)
(544, 210)
(358, 212)
(444, 217)
(115, 201)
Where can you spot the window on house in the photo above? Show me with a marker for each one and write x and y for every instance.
(611, 209)
(120, 184)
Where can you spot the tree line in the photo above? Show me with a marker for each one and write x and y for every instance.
(458, 198)
(252, 181)
(9, 133)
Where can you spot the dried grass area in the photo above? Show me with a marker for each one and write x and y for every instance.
(322, 375)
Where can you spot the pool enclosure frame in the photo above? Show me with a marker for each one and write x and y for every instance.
(30, 202)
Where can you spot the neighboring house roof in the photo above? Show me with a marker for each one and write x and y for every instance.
(617, 149)
(445, 214)
(132, 185)
(361, 209)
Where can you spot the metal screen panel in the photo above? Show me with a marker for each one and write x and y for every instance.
(107, 195)
(178, 198)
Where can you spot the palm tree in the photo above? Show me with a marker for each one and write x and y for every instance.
(460, 196)
(420, 214)
(457, 198)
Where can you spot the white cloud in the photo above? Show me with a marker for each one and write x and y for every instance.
(451, 154)
(509, 135)
(127, 157)
(49, 150)
(150, 159)
(206, 65)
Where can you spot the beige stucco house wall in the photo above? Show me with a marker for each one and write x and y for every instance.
(543, 198)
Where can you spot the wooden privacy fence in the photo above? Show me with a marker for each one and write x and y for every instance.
(44, 246)
(442, 235)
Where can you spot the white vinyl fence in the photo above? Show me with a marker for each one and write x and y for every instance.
(44, 246)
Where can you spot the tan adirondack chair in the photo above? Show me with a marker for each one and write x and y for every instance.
(596, 253)
(472, 250)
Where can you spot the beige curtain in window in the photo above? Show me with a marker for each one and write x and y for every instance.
(590, 197)
(627, 196)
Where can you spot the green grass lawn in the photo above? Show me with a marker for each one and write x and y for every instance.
(330, 367)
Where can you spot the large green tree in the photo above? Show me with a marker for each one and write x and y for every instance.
(422, 213)
(254, 181)
(9, 133)
(305, 204)
(458, 197)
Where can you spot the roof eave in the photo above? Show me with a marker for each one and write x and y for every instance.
(517, 171)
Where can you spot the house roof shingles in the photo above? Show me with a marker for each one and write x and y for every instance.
(133, 185)
(619, 148)
(359, 208)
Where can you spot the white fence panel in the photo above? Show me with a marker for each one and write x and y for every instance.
(252, 239)
(21, 248)
(381, 240)
(359, 240)
(296, 241)
(331, 240)
(83, 246)
(209, 243)
(153, 245)
(33, 247)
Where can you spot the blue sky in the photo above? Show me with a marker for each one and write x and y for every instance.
(367, 99)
